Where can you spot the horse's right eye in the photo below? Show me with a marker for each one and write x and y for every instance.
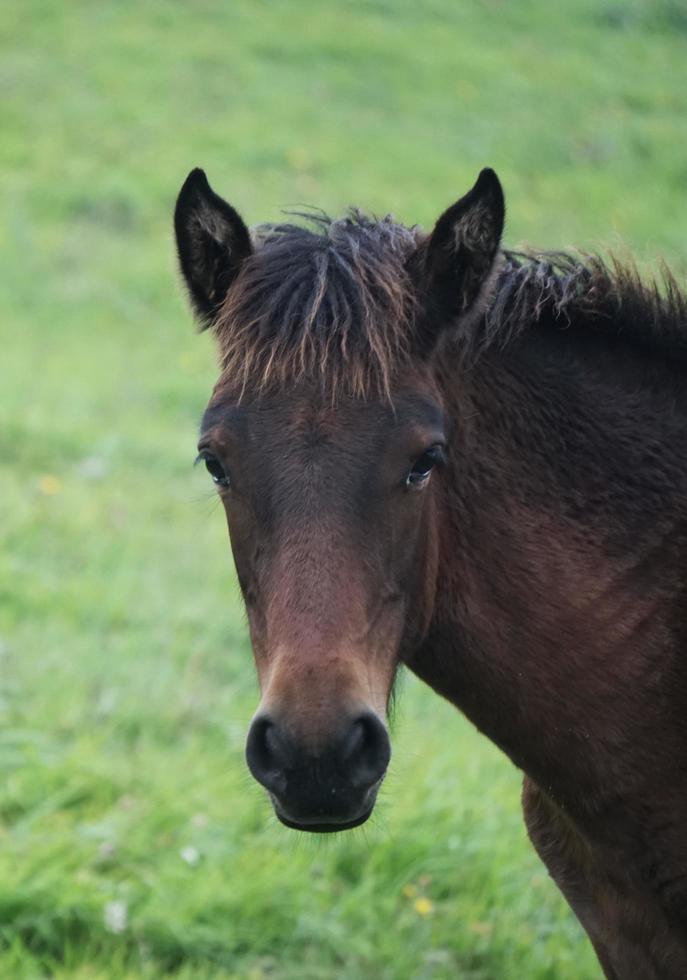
(215, 469)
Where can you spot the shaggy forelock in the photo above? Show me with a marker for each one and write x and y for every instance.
(333, 301)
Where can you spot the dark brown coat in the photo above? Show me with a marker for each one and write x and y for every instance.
(473, 462)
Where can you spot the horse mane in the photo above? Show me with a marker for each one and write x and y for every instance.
(566, 290)
(334, 299)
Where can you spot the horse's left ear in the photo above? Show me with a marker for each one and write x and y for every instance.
(212, 242)
(459, 254)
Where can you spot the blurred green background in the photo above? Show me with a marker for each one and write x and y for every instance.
(133, 842)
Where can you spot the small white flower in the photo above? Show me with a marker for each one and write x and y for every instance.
(93, 467)
(116, 915)
(190, 855)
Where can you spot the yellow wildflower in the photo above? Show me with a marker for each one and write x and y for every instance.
(423, 906)
(49, 485)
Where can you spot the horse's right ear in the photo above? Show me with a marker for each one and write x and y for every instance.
(212, 242)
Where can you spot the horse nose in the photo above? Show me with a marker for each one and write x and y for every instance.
(360, 757)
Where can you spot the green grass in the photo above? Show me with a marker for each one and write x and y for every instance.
(134, 843)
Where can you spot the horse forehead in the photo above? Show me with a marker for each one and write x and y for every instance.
(321, 438)
(307, 408)
(309, 418)
(317, 426)
(305, 437)
(291, 420)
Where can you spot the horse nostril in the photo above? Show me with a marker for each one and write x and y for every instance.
(266, 753)
(366, 750)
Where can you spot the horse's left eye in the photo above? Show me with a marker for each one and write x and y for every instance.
(423, 466)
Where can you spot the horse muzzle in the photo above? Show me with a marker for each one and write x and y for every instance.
(323, 790)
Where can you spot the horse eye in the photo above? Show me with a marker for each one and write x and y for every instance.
(215, 469)
(423, 466)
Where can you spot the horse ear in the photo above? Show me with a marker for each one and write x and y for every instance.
(461, 250)
(212, 242)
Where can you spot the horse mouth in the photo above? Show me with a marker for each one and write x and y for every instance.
(331, 827)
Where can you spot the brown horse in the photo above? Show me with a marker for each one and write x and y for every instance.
(474, 462)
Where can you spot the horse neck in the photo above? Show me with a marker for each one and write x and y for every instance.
(563, 530)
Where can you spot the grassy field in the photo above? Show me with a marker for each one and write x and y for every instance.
(132, 841)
